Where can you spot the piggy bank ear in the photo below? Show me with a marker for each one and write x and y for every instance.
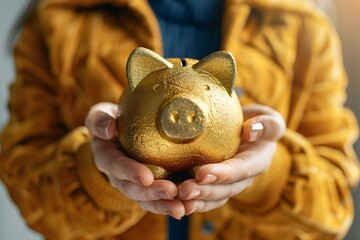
(142, 62)
(222, 66)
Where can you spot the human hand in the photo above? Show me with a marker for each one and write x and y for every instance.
(215, 183)
(131, 178)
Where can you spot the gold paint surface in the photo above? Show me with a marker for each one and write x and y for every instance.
(180, 117)
(181, 120)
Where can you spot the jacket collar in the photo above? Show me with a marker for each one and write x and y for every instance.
(87, 3)
(235, 16)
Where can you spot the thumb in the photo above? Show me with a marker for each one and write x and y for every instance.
(101, 120)
(263, 123)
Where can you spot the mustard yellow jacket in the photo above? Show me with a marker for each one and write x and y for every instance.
(72, 54)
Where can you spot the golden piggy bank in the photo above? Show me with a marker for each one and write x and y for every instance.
(177, 114)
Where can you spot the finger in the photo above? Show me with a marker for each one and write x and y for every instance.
(101, 120)
(190, 190)
(174, 208)
(262, 123)
(247, 163)
(110, 160)
(160, 189)
(192, 206)
(263, 128)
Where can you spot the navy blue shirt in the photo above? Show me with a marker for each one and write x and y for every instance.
(189, 28)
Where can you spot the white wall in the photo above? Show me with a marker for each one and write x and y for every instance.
(12, 226)
(349, 30)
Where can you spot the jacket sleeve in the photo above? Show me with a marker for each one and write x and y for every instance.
(47, 168)
(306, 193)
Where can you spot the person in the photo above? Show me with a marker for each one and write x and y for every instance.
(294, 170)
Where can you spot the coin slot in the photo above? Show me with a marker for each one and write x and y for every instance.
(183, 62)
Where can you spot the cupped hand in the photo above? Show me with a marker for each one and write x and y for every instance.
(131, 178)
(215, 183)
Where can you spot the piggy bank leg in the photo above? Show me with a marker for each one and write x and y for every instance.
(159, 172)
(193, 171)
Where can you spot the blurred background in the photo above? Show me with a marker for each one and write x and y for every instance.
(345, 14)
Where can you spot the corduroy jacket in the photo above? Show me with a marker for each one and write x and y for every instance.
(72, 54)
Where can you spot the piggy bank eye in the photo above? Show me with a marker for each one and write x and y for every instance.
(156, 87)
(206, 87)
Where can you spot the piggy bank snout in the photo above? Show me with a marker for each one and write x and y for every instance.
(181, 120)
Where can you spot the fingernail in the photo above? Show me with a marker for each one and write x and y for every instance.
(103, 127)
(162, 194)
(209, 178)
(194, 194)
(191, 211)
(256, 131)
(138, 180)
(170, 213)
